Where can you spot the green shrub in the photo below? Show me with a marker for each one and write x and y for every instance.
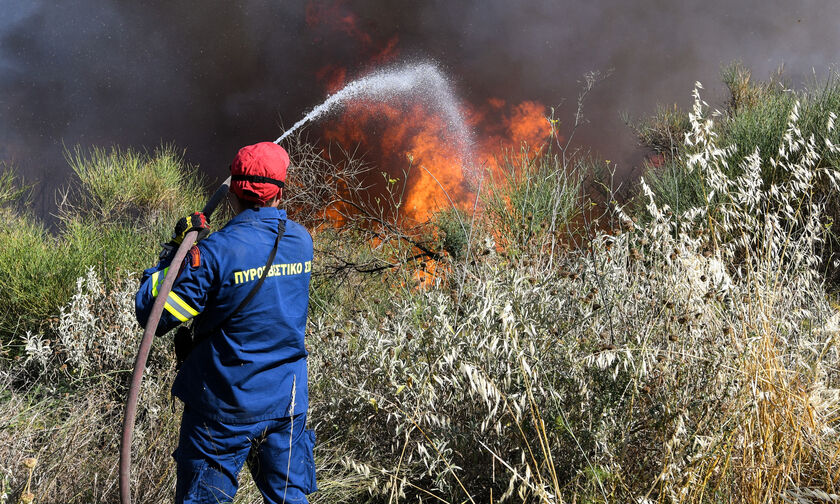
(12, 188)
(755, 119)
(115, 182)
(533, 197)
(453, 226)
(34, 277)
(664, 131)
(114, 216)
(674, 186)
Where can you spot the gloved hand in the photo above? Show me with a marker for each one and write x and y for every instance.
(194, 222)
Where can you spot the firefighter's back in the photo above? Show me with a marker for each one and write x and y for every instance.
(251, 366)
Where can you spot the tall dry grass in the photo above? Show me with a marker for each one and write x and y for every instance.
(690, 359)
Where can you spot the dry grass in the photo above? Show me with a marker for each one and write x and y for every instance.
(689, 360)
(693, 359)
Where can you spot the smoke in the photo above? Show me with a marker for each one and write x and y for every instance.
(101, 73)
(654, 50)
(212, 76)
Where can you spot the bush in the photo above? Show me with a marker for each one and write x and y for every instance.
(690, 359)
(63, 395)
(125, 185)
(12, 188)
(533, 198)
(755, 121)
(663, 132)
(67, 328)
(453, 227)
(114, 216)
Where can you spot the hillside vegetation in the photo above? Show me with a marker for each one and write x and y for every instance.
(755, 121)
(680, 349)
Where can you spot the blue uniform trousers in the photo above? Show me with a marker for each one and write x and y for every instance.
(211, 453)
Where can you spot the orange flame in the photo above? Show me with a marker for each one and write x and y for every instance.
(412, 140)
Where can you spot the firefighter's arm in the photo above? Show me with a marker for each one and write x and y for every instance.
(188, 296)
(149, 286)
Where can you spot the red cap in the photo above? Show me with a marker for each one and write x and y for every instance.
(258, 172)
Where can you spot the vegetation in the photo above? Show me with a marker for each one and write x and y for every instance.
(101, 224)
(755, 120)
(520, 353)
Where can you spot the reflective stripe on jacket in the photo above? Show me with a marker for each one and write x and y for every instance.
(253, 367)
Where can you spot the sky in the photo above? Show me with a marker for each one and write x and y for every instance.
(212, 76)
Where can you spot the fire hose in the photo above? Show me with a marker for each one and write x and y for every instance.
(146, 344)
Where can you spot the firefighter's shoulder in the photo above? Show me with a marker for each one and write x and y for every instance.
(298, 230)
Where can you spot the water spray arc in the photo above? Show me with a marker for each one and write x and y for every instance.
(423, 82)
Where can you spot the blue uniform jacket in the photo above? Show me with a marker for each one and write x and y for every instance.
(253, 367)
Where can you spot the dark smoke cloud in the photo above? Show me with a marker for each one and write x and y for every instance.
(211, 76)
(655, 50)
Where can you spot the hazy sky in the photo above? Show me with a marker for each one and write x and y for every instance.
(211, 76)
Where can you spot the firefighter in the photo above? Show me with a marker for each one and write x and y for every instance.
(243, 372)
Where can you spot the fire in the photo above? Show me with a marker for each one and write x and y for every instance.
(404, 142)
(423, 169)
(504, 127)
(527, 123)
(409, 142)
